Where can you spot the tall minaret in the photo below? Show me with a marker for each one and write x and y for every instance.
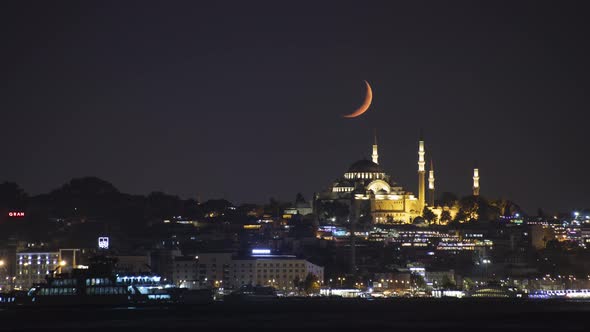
(475, 180)
(421, 173)
(431, 184)
(375, 155)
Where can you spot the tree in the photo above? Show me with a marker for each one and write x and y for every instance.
(299, 199)
(12, 196)
(275, 208)
(162, 205)
(311, 284)
(448, 199)
(445, 217)
(365, 217)
(468, 284)
(447, 283)
(476, 208)
(460, 217)
(297, 284)
(468, 208)
(418, 281)
(429, 216)
(335, 209)
(506, 208)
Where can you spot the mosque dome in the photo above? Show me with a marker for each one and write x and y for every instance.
(365, 165)
(344, 183)
(364, 170)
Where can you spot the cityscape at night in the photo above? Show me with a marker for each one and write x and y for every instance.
(180, 165)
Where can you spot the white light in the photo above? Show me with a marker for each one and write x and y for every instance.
(103, 242)
(260, 251)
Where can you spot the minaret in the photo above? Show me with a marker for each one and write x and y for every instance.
(476, 181)
(431, 183)
(421, 174)
(375, 155)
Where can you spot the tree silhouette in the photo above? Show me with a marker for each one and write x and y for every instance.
(297, 284)
(299, 199)
(445, 217)
(448, 199)
(468, 284)
(476, 208)
(418, 281)
(311, 284)
(12, 196)
(447, 283)
(335, 209)
(429, 216)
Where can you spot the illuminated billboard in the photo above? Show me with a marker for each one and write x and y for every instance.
(103, 242)
(16, 214)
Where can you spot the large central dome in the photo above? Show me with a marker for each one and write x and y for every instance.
(366, 166)
(364, 170)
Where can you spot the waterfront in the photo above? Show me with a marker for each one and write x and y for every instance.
(312, 313)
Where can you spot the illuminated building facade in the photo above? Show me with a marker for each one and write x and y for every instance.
(261, 268)
(32, 267)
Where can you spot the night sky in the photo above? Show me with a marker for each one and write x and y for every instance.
(245, 100)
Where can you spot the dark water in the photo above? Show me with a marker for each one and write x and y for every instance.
(311, 314)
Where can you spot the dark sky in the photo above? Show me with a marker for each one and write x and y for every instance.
(243, 100)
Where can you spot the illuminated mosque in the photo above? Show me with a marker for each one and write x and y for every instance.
(365, 180)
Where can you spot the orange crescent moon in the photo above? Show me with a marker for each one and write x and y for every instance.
(365, 106)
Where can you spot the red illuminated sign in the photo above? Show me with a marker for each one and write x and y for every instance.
(16, 214)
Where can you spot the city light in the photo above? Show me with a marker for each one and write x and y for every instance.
(103, 242)
(260, 251)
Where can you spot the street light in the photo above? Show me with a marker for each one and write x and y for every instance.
(3, 265)
(61, 264)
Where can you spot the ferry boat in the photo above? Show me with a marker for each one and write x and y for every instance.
(98, 285)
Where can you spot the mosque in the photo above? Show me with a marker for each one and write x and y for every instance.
(365, 182)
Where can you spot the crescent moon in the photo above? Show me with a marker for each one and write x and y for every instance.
(365, 106)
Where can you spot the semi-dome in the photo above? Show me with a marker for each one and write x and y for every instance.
(343, 183)
(365, 165)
